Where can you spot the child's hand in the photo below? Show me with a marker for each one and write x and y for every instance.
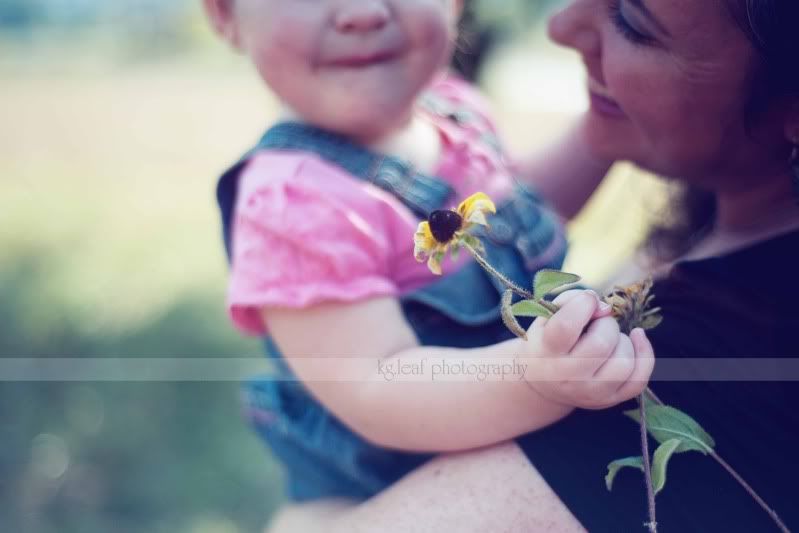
(581, 359)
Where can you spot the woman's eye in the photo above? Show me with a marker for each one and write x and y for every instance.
(624, 27)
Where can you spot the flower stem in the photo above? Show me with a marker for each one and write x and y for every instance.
(494, 272)
(650, 489)
(737, 477)
(782, 527)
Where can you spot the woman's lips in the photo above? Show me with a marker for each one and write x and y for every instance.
(601, 102)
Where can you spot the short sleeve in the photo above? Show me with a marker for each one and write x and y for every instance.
(304, 233)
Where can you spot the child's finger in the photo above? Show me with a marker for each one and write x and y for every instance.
(644, 354)
(620, 365)
(599, 342)
(603, 309)
(641, 343)
(561, 300)
(644, 365)
(562, 331)
(564, 297)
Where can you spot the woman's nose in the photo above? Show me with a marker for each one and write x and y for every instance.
(575, 26)
(361, 16)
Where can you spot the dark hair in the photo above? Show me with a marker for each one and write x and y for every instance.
(771, 27)
(475, 43)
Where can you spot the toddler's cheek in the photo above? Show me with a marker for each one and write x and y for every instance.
(431, 29)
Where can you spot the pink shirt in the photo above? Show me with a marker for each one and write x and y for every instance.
(306, 232)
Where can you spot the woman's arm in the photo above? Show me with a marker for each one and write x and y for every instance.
(491, 489)
(566, 174)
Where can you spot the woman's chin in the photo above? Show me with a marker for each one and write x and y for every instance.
(606, 148)
(609, 141)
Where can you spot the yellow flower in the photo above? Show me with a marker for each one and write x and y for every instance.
(445, 228)
(425, 246)
(473, 209)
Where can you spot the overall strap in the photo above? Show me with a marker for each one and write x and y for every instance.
(421, 193)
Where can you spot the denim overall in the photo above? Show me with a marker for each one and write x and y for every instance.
(323, 457)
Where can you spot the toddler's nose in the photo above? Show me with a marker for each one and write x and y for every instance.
(362, 16)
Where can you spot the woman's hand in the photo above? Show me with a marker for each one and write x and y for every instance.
(581, 359)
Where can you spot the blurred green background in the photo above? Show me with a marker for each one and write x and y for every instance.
(116, 119)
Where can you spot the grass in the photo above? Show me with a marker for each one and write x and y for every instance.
(111, 247)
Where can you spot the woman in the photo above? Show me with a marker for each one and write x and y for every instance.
(706, 93)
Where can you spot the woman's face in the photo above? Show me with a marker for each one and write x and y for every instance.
(669, 82)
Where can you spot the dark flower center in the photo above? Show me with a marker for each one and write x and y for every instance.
(444, 224)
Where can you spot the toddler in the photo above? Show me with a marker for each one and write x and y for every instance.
(319, 219)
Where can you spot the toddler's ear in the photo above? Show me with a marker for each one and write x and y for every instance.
(221, 14)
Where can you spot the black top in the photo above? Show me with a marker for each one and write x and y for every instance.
(742, 305)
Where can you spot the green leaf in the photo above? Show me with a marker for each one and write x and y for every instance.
(474, 242)
(547, 281)
(618, 464)
(530, 308)
(649, 399)
(665, 423)
(661, 460)
(508, 317)
(652, 321)
(455, 251)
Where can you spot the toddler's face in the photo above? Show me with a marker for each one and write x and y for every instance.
(353, 66)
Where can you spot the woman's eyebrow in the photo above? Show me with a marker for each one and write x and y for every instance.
(641, 6)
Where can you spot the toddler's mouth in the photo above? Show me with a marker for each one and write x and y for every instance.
(361, 59)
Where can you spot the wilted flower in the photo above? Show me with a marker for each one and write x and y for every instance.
(632, 306)
(447, 228)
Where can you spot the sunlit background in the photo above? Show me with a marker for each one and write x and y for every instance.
(115, 119)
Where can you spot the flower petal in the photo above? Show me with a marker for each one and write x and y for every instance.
(423, 242)
(474, 208)
(434, 263)
(477, 217)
